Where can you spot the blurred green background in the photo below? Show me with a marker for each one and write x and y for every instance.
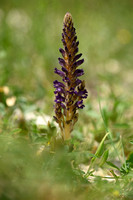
(30, 36)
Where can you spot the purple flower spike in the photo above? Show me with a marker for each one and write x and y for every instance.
(77, 43)
(60, 73)
(63, 106)
(80, 62)
(75, 38)
(69, 95)
(62, 62)
(79, 104)
(76, 64)
(83, 94)
(64, 70)
(76, 50)
(78, 72)
(63, 41)
(62, 52)
(59, 90)
(77, 82)
(59, 98)
(77, 57)
(58, 84)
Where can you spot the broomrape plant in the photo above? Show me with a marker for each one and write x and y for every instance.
(69, 95)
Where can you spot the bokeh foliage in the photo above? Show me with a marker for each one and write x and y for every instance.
(30, 36)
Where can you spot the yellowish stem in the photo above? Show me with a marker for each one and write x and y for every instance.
(68, 125)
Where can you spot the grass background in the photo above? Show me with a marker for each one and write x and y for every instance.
(30, 36)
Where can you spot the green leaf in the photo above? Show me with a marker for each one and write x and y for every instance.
(99, 151)
(130, 159)
(112, 165)
(122, 125)
(104, 157)
(105, 116)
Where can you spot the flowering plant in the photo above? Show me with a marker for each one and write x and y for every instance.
(69, 95)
